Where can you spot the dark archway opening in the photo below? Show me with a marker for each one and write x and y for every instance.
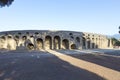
(88, 43)
(39, 43)
(30, 46)
(93, 44)
(65, 44)
(56, 42)
(73, 46)
(16, 39)
(78, 39)
(84, 42)
(108, 42)
(24, 37)
(48, 42)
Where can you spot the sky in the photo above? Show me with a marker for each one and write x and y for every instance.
(94, 16)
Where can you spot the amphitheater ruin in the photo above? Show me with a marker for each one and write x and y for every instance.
(46, 39)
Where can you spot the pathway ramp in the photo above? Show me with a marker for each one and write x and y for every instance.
(102, 71)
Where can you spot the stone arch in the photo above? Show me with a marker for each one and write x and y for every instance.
(16, 38)
(3, 43)
(88, 43)
(48, 42)
(56, 42)
(36, 33)
(24, 37)
(9, 36)
(78, 39)
(96, 43)
(73, 46)
(83, 42)
(93, 44)
(108, 42)
(99, 43)
(77, 42)
(30, 46)
(3, 37)
(11, 43)
(19, 33)
(39, 43)
(65, 44)
(31, 37)
(70, 34)
(27, 33)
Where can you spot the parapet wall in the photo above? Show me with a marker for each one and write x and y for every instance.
(44, 39)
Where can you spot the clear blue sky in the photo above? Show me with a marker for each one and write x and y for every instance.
(96, 16)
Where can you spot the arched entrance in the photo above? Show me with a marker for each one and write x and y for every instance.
(96, 44)
(83, 42)
(88, 43)
(30, 46)
(56, 42)
(93, 44)
(16, 39)
(65, 44)
(108, 42)
(73, 46)
(39, 43)
(78, 39)
(77, 42)
(48, 42)
(24, 38)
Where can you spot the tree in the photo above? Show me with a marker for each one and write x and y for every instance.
(115, 42)
(119, 29)
(4, 3)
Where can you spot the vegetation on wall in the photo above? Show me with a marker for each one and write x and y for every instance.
(115, 42)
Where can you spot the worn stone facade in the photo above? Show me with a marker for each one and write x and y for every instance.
(45, 39)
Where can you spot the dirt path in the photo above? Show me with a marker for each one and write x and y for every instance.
(104, 72)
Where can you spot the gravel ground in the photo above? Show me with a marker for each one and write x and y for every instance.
(40, 66)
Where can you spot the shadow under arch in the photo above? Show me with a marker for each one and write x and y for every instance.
(88, 43)
(73, 46)
(65, 44)
(93, 44)
(39, 43)
(84, 43)
(30, 46)
(48, 42)
(78, 39)
(57, 42)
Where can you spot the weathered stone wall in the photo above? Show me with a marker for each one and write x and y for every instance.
(44, 39)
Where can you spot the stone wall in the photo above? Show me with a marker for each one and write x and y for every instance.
(44, 39)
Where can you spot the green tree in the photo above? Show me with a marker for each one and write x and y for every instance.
(4, 3)
(115, 42)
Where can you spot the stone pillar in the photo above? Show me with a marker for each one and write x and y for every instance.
(35, 46)
(91, 43)
(86, 44)
(52, 44)
(80, 44)
(60, 43)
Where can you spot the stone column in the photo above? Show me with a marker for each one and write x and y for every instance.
(52, 44)
(91, 43)
(35, 46)
(86, 44)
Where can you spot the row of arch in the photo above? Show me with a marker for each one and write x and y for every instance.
(56, 42)
(93, 43)
(49, 43)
